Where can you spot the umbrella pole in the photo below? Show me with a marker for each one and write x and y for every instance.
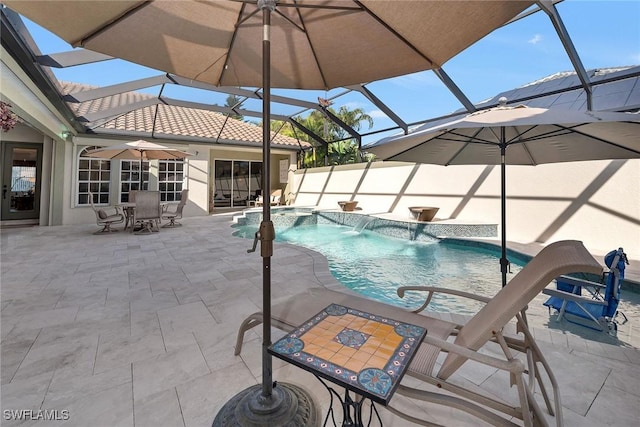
(267, 230)
(141, 174)
(266, 405)
(504, 262)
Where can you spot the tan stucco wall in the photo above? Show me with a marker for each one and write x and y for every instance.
(196, 179)
(597, 202)
(198, 174)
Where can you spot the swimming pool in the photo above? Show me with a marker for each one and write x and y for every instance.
(376, 265)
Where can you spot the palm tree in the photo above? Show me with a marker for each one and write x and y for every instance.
(341, 148)
(353, 118)
(232, 102)
(286, 129)
(343, 152)
(346, 150)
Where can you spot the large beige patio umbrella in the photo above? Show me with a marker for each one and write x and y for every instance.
(517, 135)
(138, 150)
(319, 44)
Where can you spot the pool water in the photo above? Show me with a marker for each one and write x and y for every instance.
(376, 265)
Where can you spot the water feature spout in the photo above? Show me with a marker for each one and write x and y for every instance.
(362, 224)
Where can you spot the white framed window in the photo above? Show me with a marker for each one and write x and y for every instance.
(130, 177)
(94, 175)
(170, 179)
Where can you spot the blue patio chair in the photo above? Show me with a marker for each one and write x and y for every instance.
(590, 304)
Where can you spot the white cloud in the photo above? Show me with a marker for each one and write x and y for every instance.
(352, 105)
(377, 114)
(535, 39)
(420, 79)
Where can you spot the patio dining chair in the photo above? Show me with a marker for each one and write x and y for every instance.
(147, 212)
(106, 216)
(175, 214)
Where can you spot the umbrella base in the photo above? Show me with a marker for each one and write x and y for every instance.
(289, 405)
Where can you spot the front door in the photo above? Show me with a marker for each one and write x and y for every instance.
(21, 173)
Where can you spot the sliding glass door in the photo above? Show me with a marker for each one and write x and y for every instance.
(236, 182)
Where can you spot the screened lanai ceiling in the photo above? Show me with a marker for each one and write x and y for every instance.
(615, 89)
(122, 109)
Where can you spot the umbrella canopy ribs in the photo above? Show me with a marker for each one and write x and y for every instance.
(321, 44)
(517, 135)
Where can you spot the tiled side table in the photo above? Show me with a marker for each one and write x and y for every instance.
(362, 352)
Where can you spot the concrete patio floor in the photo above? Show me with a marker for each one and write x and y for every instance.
(138, 330)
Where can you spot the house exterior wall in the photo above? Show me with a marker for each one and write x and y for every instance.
(58, 201)
(198, 175)
(597, 202)
(240, 153)
(45, 125)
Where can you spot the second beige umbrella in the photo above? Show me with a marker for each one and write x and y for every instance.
(517, 135)
(138, 150)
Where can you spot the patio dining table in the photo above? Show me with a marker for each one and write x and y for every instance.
(129, 210)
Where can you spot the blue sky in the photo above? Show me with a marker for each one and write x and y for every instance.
(606, 33)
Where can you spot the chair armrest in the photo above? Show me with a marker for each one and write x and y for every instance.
(514, 365)
(433, 290)
(572, 297)
(581, 282)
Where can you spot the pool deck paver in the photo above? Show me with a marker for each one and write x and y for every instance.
(133, 330)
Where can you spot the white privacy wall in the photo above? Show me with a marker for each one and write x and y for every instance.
(597, 202)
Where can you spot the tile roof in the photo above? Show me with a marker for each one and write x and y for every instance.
(171, 121)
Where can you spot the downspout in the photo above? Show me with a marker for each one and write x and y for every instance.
(54, 147)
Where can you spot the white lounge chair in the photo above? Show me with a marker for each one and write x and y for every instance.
(274, 200)
(461, 343)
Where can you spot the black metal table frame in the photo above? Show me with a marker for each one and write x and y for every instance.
(347, 405)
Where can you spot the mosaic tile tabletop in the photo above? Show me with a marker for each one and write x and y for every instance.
(363, 352)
